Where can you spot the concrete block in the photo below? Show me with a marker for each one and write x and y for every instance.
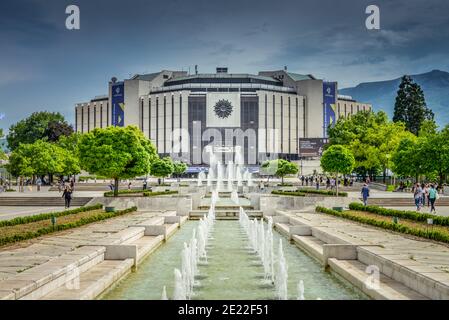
(280, 219)
(155, 230)
(172, 219)
(7, 295)
(339, 251)
(121, 252)
(300, 230)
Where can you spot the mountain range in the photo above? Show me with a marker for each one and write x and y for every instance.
(382, 94)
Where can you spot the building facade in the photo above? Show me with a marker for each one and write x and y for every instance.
(264, 115)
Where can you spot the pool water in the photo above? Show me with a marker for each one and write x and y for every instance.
(232, 271)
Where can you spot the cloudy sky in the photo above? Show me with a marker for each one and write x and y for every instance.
(44, 66)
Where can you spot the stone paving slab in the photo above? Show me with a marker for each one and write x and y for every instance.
(47, 248)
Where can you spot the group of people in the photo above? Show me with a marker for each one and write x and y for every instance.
(329, 182)
(423, 193)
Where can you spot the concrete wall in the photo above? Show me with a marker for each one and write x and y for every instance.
(181, 204)
(313, 91)
(270, 203)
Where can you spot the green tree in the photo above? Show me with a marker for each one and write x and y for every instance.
(406, 159)
(19, 163)
(337, 160)
(410, 105)
(285, 168)
(179, 168)
(56, 129)
(2, 153)
(33, 128)
(116, 153)
(434, 154)
(280, 168)
(46, 158)
(162, 168)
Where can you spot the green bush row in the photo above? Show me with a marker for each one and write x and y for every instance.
(146, 193)
(45, 216)
(159, 193)
(324, 192)
(85, 178)
(411, 215)
(288, 193)
(428, 234)
(61, 227)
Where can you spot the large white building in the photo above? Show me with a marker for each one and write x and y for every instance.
(269, 115)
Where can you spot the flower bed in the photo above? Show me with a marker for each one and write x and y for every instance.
(415, 228)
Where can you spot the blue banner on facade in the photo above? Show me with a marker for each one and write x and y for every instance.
(329, 105)
(118, 104)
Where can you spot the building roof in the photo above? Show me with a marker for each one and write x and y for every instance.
(224, 76)
(146, 77)
(299, 77)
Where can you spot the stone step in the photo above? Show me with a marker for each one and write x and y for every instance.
(225, 214)
(226, 207)
(387, 289)
(38, 281)
(311, 245)
(425, 279)
(92, 282)
(146, 245)
(42, 201)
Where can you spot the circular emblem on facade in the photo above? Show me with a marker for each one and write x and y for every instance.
(223, 109)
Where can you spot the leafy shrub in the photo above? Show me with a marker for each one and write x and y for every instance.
(10, 190)
(391, 187)
(45, 216)
(411, 215)
(423, 233)
(288, 193)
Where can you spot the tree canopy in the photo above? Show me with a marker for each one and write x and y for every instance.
(280, 168)
(337, 159)
(371, 138)
(116, 152)
(162, 168)
(38, 126)
(410, 105)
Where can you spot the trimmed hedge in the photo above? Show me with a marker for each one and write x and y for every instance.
(159, 193)
(324, 192)
(428, 234)
(410, 215)
(66, 226)
(288, 193)
(145, 193)
(45, 216)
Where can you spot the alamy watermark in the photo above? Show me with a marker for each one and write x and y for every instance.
(72, 22)
(372, 22)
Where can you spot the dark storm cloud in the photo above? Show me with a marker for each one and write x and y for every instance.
(328, 38)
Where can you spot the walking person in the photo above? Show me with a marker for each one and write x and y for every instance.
(433, 196)
(424, 193)
(365, 194)
(39, 184)
(418, 194)
(67, 195)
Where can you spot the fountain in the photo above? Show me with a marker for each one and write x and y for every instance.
(164, 294)
(261, 241)
(210, 177)
(234, 197)
(192, 255)
(301, 290)
(201, 178)
(280, 280)
(179, 291)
